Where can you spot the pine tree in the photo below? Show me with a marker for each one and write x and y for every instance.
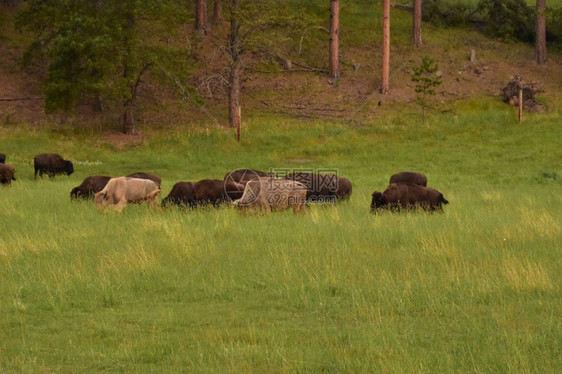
(426, 76)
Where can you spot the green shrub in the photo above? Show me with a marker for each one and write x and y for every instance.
(508, 19)
(439, 12)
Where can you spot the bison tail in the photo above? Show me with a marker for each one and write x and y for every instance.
(443, 200)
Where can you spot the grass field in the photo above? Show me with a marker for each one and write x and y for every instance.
(475, 289)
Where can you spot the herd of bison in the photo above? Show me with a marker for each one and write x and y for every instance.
(245, 188)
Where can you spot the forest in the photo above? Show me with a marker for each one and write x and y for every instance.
(99, 57)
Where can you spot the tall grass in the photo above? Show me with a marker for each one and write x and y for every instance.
(338, 289)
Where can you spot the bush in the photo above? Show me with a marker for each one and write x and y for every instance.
(508, 19)
(554, 25)
(439, 12)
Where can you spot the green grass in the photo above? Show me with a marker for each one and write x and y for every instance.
(338, 289)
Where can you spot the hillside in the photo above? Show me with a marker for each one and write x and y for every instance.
(308, 94)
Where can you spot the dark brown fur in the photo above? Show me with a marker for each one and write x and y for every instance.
(51, 164)
(204, 192)
(153, 177)
(407, 196)
(89, 187)
(7, 174)
(409, 177)
(183, 194)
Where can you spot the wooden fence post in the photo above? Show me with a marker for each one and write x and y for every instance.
(238, 121)
(520, 112)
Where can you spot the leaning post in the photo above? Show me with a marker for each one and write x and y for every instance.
(238, 121)
(520, 111)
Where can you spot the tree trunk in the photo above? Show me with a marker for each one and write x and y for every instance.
(129, 127)
(540, 42)
(234, 95)
(217, 12)
(385, 46)
(201, 16)
(334, 38)
(417, 24)
(234, 78)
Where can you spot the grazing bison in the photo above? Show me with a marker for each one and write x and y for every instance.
(7, 174)
(407, 196)
(51, 164)
(267, 194)
(153, 177)
(245, 175)
(409, 177)
(204, 192)
(89, 187)
(2, 158)
(183, 194)
(216, 191)
(343, 190)
(123, 190)
(322, 187)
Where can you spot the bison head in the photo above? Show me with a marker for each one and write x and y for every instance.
(378, 201)
(68, 167)
(75, 193)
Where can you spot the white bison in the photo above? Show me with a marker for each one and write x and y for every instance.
(267, 194)
(123, 190)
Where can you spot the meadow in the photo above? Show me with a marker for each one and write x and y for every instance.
(474, 289)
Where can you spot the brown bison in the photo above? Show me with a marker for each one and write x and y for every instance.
(123, 190)
(407, 196)
(245, 175)
(183, 194)
(323, 187)
(409, 177)
(7, 174)
(205, 192)
(89, 187)
(267, 194)
(153, 177)
(51, 164)
(2, 158)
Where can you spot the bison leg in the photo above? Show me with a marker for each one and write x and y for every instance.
(299, 208)
(152, 202)
(152, 199)
(120, 205)
(101, 204)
